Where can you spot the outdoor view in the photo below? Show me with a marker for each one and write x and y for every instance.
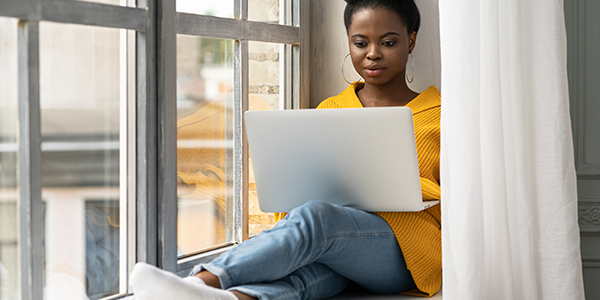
(82, 90)
(80, 71)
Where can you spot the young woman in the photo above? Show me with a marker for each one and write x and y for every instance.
(318, 248)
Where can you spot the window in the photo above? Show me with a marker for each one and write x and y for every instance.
(121, 134)
(9, 271)
(224, 67)
(80, 95)
(205, 101)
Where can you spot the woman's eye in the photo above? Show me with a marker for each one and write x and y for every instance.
(388, 43)
(360, 44)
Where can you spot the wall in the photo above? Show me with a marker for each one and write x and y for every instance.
(583, 40)
(329, 46)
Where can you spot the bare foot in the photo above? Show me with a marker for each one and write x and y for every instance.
(211, 280)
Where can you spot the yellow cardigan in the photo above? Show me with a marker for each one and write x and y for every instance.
(418, 233)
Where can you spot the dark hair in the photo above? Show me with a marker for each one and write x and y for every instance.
(406, 9)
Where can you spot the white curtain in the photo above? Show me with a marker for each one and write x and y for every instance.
(509, 200)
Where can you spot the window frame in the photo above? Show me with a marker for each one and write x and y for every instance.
(292, 80)
(148, 152)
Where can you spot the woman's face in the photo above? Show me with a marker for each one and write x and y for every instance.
(379, 46)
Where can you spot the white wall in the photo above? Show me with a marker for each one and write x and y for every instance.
(329, 46)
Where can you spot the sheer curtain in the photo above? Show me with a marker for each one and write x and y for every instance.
(509, 209)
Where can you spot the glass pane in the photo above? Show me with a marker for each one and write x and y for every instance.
(265, 10)
(265, 94)
(204, 143)
(80, 90)
(112, 2)
(9, 271)
(222, 8)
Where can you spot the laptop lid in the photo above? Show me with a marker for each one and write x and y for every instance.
(360, 157)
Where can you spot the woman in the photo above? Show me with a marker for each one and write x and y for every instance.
(318, 248)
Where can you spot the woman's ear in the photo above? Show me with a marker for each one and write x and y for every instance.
(412, 40)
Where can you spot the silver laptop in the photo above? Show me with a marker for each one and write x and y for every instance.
(365, 158)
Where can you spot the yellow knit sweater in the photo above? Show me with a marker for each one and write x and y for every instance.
(418, 233)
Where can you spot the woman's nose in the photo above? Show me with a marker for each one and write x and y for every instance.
(374, 52)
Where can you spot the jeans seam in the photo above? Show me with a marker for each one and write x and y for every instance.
(366, 235)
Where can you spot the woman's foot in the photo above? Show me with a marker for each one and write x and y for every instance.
(151, 283)
(209, 278)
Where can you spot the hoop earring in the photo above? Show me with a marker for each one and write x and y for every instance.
(413, 70)
(344, 76)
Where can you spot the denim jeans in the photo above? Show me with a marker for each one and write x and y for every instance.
(314, 253)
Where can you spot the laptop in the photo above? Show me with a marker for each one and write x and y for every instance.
(364, 158)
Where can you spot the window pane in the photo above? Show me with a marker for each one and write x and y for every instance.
(204, 143)
(265, 94)
(9, 272)
(264, 10)
(80, 90)
(112, 2)
(222, 8)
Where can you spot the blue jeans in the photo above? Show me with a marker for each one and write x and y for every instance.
(314, 253)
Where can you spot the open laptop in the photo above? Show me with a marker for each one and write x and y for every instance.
(365, 158)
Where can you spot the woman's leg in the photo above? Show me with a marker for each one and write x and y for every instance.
(314, 281)
(355, 244)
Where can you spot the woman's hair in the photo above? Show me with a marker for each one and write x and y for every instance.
(406, 9)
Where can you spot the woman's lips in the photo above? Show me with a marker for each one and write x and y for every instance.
(374, 71)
